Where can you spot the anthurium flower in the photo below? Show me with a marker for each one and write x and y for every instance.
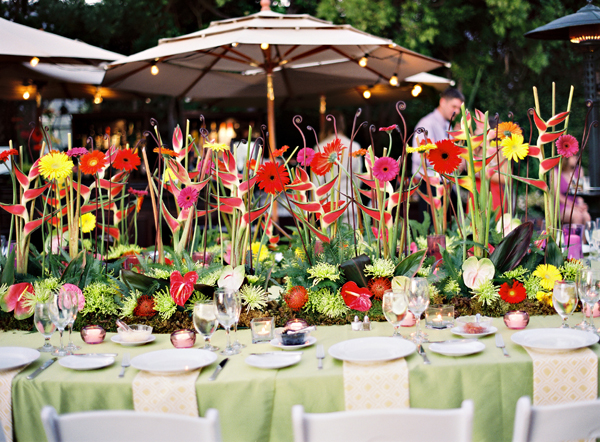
(182, 287)
(509, 224)
(355, 297)
(477, 271)
(232, 278)
(15, 299)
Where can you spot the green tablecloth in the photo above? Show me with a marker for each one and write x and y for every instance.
(255, 404)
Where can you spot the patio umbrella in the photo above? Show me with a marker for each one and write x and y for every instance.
(265, 55)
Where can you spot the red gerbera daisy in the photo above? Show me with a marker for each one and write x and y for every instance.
(445, 159)
(251, 164)
(514, 294)
(378, 286)
(126, 160)
(324, 161)
(7, 153)
(279, 152)
(272, 177)
(93, 162)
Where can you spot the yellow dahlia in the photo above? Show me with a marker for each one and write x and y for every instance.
(87, 222)
(55, 166)
(548, 274)
(513, 147)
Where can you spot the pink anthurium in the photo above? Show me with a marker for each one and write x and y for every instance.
(355, 297)
(15, 298)
(232, 278)
(182, 287)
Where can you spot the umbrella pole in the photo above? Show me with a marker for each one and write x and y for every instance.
(271, 128)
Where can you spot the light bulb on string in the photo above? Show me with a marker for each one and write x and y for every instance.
(26, 95)
(416, 90)
(362, 62)
(264, 46)
(367, 94)
(34, 61)
(394, 80)
(154, 69)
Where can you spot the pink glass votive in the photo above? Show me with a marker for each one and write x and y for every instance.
(183, 338)
(516, 320)
(596, 310)
(296, 324)
(93, 334)
(409, 320)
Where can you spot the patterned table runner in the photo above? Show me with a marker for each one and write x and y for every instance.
(6, 421)
(376, 385)
(174, 393)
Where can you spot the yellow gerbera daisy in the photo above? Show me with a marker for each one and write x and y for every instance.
(216, 147)
(87, 222)
(421, 148)
(264, 251)
(548, 274)
(514, 148)
(55, 166)
(545, 298)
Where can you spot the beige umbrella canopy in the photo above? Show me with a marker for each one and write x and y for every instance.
(265, 55)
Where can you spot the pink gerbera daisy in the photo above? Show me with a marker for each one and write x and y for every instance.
(77, 152)
(386, 169)
(567, 146)
(137, 193)
(187, 197)
(305, 156)
(388, 129)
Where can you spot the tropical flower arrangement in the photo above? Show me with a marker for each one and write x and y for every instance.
(350, 242)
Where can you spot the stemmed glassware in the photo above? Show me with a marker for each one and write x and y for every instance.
(43, 323)
(62, 308)
(564, 299)
(73, 292)
(588, 289)
(205, 322)
(418, 301)
(226, 303)
(395, 307)
(237, 344)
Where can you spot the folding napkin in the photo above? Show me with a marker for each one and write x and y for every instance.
(174, 393)
(6, 423)
(376, 385)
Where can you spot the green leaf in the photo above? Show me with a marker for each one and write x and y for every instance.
(143, 283)
(410, 265)
(8, 272)
(512, 248)
(353, 269)
(553, 253)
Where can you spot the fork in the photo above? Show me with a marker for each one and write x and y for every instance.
(421, 351)
(320, 355)
(124, 364)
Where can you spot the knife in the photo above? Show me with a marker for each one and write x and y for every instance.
(97, 355)
(47, 364)
(218, 369)
(500, 344)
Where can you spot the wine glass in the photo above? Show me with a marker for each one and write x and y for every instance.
(395, 307)
(61, 312)
(418, 301)
(205, 322)
(564, 299)
(73, 292)
(43, 324)
(226, 303)
(236, 343)
(588, 289)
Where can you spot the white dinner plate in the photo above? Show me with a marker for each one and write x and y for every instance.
(554, 339)
(457, 348)
(174, 360)
(13, 357)
(118, 340)
(373, 349)
(273, 360)
(310, 341)
(491, 330)
(86, 362)
(585, 248)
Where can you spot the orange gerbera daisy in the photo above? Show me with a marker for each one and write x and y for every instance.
(279, 152)
(272, 177)
(7, 153)
(359, 153)
(251, 165)
(165, 151)
(324, 161)
(126, 160)
(93, 162)
(508, 128)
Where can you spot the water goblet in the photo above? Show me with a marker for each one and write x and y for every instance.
(61, 312)
(236, 343)
(418, 301)
(564, 299)
(226, 304)
(75, 294)
(43, 324)
(588, 290)
(205, 322)
(395, 307)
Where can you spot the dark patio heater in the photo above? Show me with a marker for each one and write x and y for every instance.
(582, 29)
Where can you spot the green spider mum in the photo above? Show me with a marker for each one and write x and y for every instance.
(487, 293)
(519, 273)
(533, 285)
(164, 304)
(328, 303)
(100, 298)
(570, 268)
(381, 268)
(253, 296)
(129, 304)
(322, 271)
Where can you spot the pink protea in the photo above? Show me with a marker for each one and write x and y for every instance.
(386, 169)
(305, 156)
(567, 146)
(187, 197)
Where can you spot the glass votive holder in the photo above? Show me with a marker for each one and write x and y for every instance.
(516, 320)
(183, 338)
(439, 316)
(595, 310)
(93, 334)
(296, 324)
(409, 320)
(263, 330)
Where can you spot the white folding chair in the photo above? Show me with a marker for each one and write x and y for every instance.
(129, 426)
(556, 423)
(385, 425)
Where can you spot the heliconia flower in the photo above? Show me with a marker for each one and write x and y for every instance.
(567, 145)
(15, 299)
(77, 152)
(70, 290)
(305, 156)
(386, 169)
(232, 278)
(355, 297)
(187, 197)
(477, 271)
(182, 287)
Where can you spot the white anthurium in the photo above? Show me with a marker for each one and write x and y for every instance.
(232, 278)
(477, 271)
(509, 224)
(274, 292)
(400, 283)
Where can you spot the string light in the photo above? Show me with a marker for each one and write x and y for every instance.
(26, 95)
(34, 61)
(264, 46)
(154, 69)
(416, 90)
(234, 45)
(394, 80)
(367, 94)
(362, 62)
(98, 97)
